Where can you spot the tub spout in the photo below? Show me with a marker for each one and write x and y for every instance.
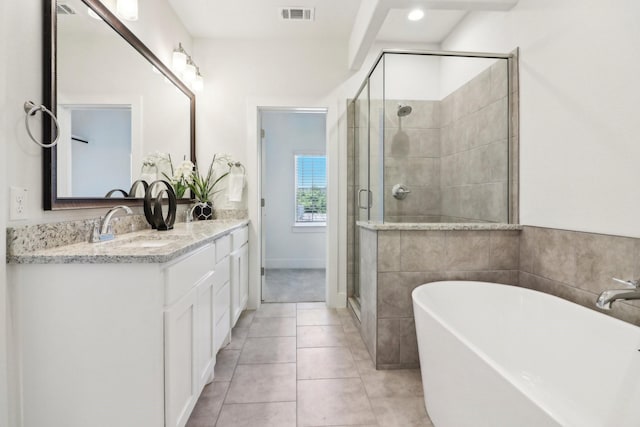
(608, 297)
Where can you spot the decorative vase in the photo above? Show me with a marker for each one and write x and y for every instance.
(203, 211)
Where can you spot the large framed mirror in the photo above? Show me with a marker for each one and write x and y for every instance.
(123, 113)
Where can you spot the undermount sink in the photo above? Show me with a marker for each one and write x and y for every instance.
(154, 241)
(146, 244)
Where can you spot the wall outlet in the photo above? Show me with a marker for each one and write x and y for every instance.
(17, 203)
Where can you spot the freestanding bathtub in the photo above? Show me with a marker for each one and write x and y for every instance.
(502, 356)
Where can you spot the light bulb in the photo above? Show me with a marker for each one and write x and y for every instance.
(127, 9)
(179, 61)
(415, 15)
(198, 83)
(189, 73)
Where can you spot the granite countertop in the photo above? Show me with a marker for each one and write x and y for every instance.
(442, 226)
(182, 239)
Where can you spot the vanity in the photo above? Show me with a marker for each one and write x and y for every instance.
(125, 332)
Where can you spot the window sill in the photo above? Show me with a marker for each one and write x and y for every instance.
(315, 227)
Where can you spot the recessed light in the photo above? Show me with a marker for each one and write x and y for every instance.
(415, 15)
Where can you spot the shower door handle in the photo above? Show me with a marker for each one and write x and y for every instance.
(369, 198)
(360, 198)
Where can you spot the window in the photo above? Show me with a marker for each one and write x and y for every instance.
(311, 190)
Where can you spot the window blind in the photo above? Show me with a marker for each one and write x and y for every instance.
(311, 188)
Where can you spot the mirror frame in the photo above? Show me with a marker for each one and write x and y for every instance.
(51, 201)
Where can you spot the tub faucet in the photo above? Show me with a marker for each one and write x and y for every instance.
(103, 232)
(606, 298)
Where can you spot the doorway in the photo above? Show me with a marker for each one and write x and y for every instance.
(294, 204)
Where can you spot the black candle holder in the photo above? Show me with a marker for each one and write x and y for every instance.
(153, 206)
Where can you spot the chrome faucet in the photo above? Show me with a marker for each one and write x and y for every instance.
(606, 298)
(189, 217)
(104, 231)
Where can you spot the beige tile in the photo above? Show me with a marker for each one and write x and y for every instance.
(311, 305)
(238, 337)
(422, 250)
(601, 257)
(349, 325)
(277, 310)
(467, 250)
(318, 316)
(274, 382)
(408, 343)
(245, 319)
(556, 255)
(527, 249)
(333, 402)
(356, 345)
(326, 362)
(401, 412)
(273, 327)
(269, 350)
(321, 336)
(226, 361)
(279, 414)
(388, 351)
(390, 383)
(505, 250)
(389, 251)
(208, 406)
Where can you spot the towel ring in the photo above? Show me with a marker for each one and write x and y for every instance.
(31, 109)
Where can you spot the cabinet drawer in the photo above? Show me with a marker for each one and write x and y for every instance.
(183, 275)
(239, 238)
(222, 302)
(223, 246)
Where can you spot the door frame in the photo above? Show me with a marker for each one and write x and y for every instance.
(262, 167)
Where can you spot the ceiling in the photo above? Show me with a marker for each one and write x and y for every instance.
(433, 28)
(260, 19)
(334, 19)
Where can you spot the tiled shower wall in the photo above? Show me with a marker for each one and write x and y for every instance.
(474, 153)
(572, 265)
(412, 157)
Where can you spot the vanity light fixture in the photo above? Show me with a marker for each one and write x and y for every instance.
(189, 72)
(179, 59)
(185, 67)
(127, 9)
(198, 83)
(415, 15)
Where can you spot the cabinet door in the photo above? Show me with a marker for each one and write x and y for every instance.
(235, 286)
(244, 276)
(181, 382)
(205, 324)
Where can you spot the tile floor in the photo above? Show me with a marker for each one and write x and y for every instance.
(294, 285)
(305, 365)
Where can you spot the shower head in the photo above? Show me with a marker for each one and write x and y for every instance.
(404, 110)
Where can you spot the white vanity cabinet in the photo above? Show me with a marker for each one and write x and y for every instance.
(239, 272)
(120, 344)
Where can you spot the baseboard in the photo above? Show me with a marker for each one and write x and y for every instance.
(296, 263)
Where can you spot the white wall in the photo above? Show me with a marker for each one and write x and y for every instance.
(288, 134)
(579, 90)
(4, 315)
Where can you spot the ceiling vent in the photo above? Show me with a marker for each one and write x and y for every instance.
(64, 9)
(297, 13)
